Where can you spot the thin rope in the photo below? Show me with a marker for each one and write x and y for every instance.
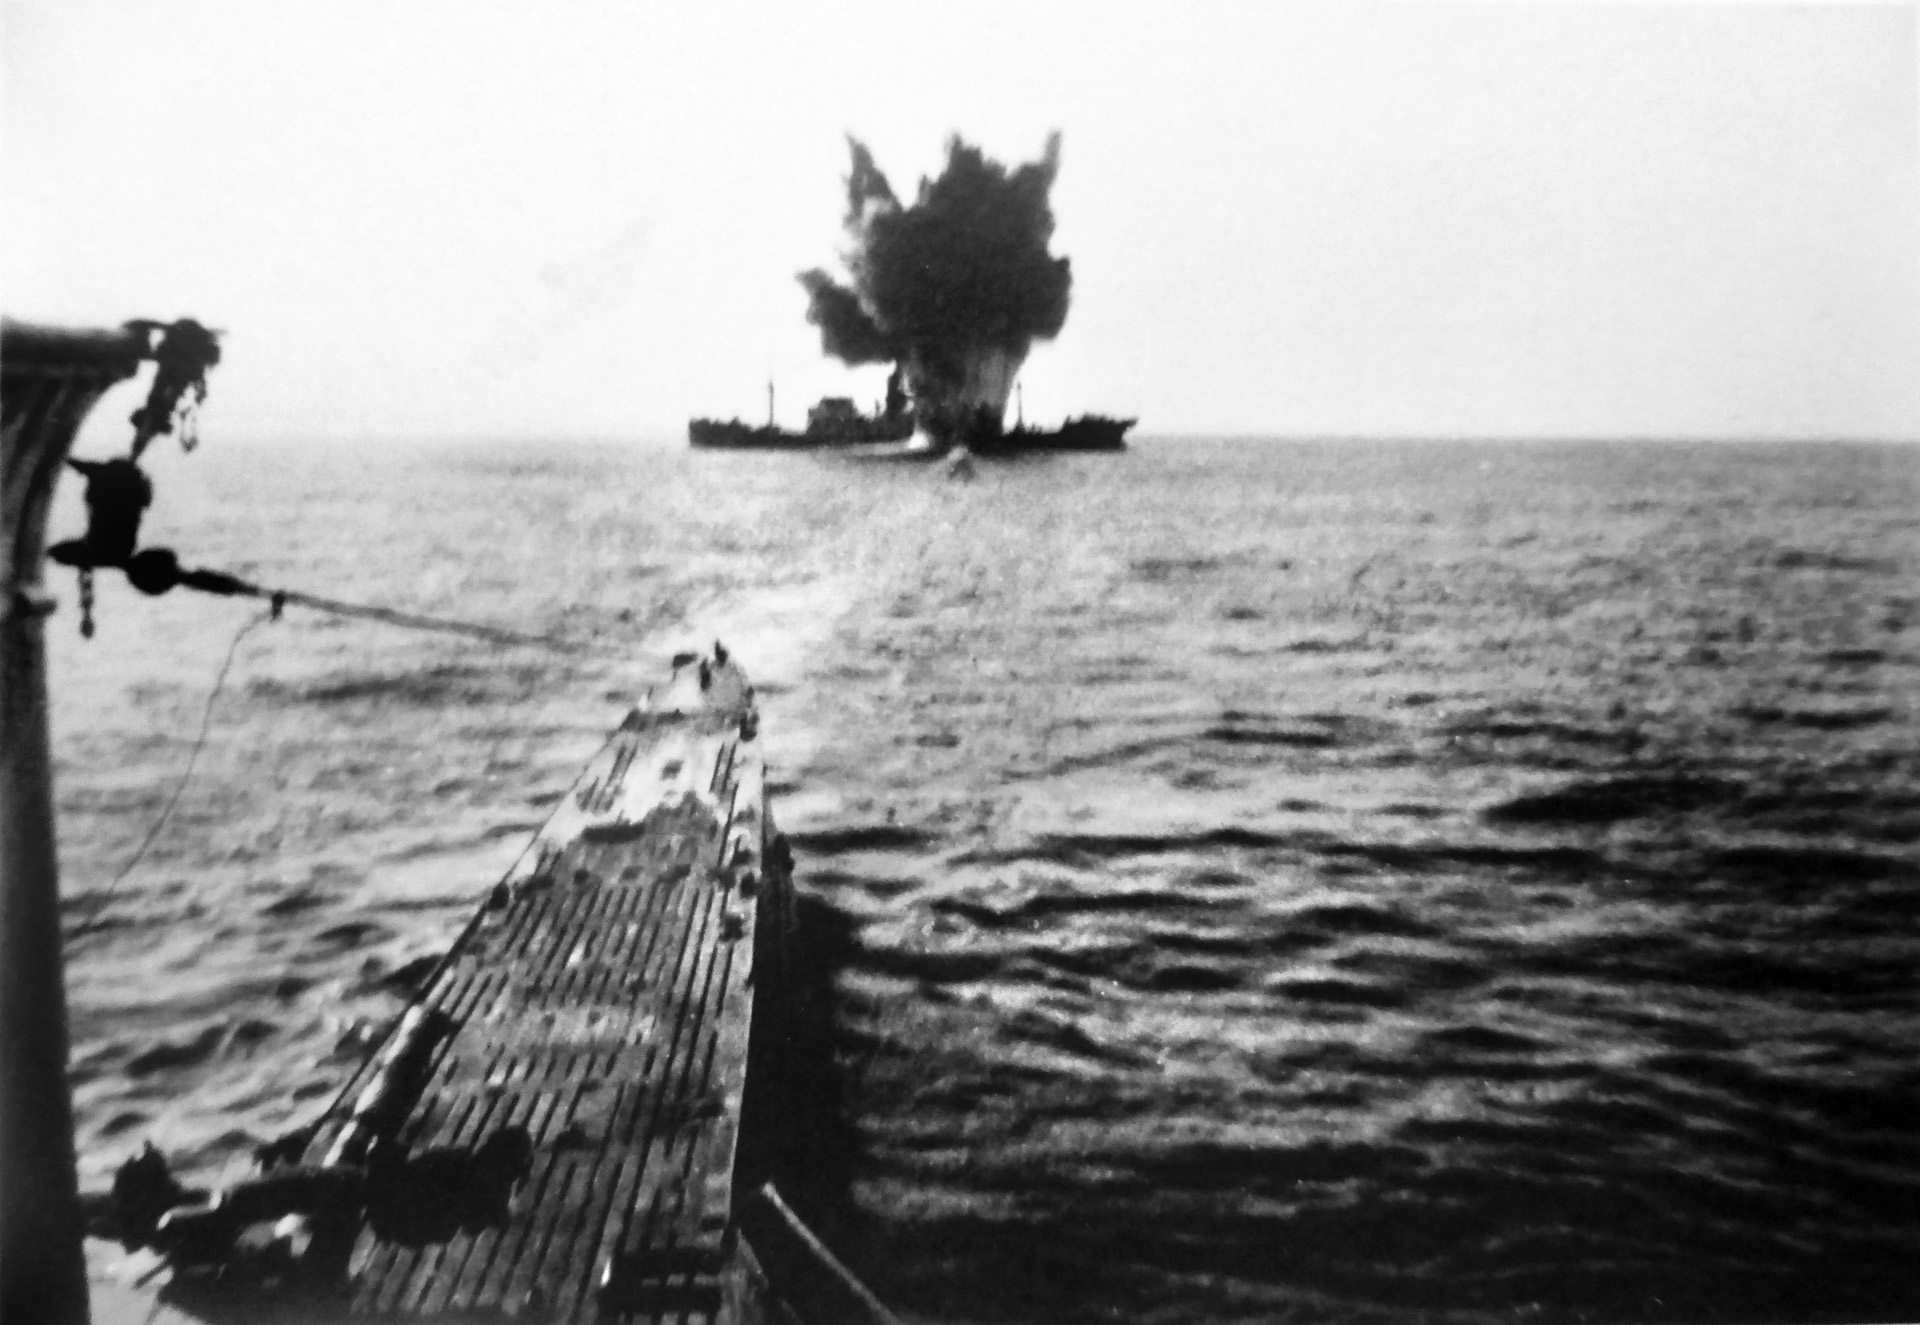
(199, 743)
(412, 620)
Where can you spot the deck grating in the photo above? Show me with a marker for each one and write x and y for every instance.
(602, 1003)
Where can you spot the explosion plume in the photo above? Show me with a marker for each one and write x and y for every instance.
(954, 288)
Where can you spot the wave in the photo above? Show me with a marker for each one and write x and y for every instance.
(1484, 1040)
(1448, 855)
(1560, 733)
(1824, 719)
(1059, 904)
(1116, 756)
(294, 903)
(352, 934)
(428, 687)
(861, 837)
(937, 966)
(1343, 993)
(1318, 644)
(1057, 1032)
(210, 1041)
(1811, 865)
(1813, 559)
(1191, 978)
(1611, 800)
(1067, 848)
(1160, 569)
(1353, 919)
(1305, 731)
(1302, 739)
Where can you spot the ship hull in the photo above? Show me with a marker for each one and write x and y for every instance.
(732, 435)
(1089, 432)
(715, 435)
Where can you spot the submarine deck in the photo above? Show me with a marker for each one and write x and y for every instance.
(601, 1000)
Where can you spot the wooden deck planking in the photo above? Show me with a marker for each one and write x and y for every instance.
(575, 1267)
(436, 1292)
(640, 1192)
(481, 1271)
(601, 1000)
(666, 1077)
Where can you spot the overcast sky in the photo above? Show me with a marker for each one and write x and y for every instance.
(1408, 219)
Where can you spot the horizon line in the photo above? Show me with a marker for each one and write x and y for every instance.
(651, 437)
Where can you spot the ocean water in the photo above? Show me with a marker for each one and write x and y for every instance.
(1253, 880)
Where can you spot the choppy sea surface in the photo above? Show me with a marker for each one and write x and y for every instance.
(1256, 880)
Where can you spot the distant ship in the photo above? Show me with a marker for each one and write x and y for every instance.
(837, 422)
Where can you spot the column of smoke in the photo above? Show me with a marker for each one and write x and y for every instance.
(954, 288)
